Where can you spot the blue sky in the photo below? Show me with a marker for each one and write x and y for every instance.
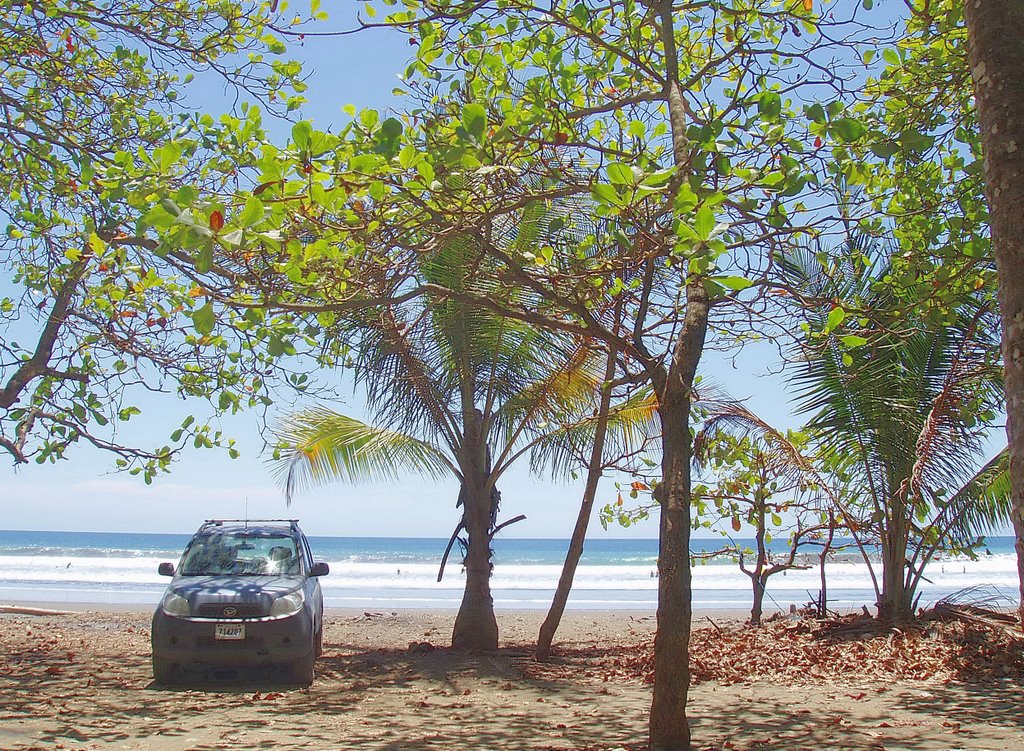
(84, 493)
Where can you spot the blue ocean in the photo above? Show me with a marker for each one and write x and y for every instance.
(386, 573)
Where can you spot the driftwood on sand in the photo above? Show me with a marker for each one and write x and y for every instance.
(22, 610)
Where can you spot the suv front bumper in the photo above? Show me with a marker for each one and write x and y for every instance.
(268, 641)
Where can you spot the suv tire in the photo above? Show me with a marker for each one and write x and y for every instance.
(301, 671)
(164, 671)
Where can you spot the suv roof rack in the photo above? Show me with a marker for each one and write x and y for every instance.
(293, 523)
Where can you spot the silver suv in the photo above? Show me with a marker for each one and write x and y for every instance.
(245, 594)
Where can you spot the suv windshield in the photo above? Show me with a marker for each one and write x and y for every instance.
(246, 552)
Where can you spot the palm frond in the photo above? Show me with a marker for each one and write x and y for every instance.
(982, 505)
(782, 458)
(632, 428)
(320, 446)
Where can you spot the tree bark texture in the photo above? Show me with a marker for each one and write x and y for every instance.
(669, 727)
(894, 603)
(475, 625)
(996, 56)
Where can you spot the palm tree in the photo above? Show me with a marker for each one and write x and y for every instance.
(901, 398)
(452, 389)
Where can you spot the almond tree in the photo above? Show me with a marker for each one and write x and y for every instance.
(90, 127)
(680, 121)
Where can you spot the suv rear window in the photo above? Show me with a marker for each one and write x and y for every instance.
(249, 552)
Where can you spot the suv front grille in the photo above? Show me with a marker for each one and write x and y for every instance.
(230, 610)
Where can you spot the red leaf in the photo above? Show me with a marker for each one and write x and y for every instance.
(216, 221)
(817, 142)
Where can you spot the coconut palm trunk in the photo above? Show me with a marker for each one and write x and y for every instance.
(894, 604)
(475, 625)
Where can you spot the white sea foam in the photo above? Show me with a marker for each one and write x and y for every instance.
(403, 584)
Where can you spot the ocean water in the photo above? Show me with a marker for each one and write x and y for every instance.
(389, 573)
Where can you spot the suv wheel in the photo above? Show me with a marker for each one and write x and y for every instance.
(301, 671)
(164, 671)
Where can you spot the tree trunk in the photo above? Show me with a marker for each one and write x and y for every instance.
(475, 625)
(669, 729)
(757, 576)
(757, 608)
(825, 550)
(996, 56)
(894, 604)
(579, 533)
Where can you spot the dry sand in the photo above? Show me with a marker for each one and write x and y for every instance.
(82, 681)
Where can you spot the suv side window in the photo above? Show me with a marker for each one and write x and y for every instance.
(307, 553)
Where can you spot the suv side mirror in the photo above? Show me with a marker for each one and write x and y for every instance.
(319, 569)
(166, 569)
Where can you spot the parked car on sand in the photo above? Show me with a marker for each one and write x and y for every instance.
(245, 594)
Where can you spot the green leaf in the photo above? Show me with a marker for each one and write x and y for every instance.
(204, 258)
(915, 140)
(686, 199)
(835, 318)
(474, 120)
(815, 113)
(204, 319)
(621, 174)
(769, 105)
(735, 283)
(704, 222)
(276, 346)
(884, 149)
(852, 341)
(302, 135)
(607, 194)
(849, 129)
(96, 244)
(252, 213)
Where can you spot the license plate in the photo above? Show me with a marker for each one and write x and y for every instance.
(229, 631)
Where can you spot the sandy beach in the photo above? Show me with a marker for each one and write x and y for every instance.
(82, 681)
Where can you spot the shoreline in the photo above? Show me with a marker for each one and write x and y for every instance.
(612, 614)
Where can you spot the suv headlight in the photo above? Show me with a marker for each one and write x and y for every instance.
(174, 604)
(287, 604)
